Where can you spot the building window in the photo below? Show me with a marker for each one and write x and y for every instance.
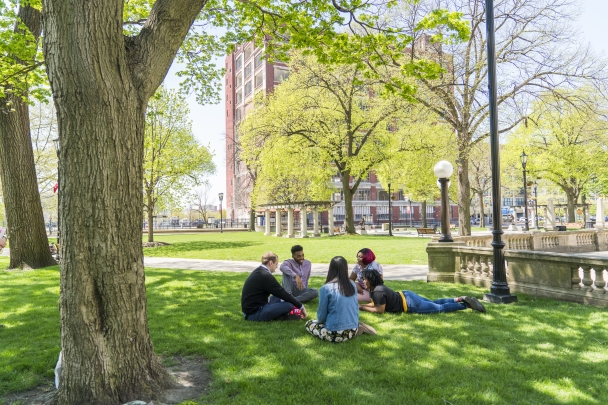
(382, 195)
(247, 52)
(257, 61)
(382, 213)
(259, 79)
(239, 96)
(248, 88)
(507, 201)
(247, 70)
(239, 62)
(361, 195)
(519, 201)
(280, 73)
(238, 114)
(239, 80)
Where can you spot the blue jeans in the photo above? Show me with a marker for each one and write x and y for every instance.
(420, 305)
(274, 309)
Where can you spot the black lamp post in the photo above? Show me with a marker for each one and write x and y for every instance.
(390, 212)
(221, 197)
(411, 217)
(524, 161)
(536, 204)
(443, 170)
(499, 292)
(57, 149)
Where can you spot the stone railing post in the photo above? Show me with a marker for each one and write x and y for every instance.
(279, 231)
(267, 222)
(330, 218)
(315, 222)
(444, 261)
(290, 233)
(303, 227)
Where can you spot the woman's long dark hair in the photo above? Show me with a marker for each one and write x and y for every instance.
(373, 278)
(338, 269)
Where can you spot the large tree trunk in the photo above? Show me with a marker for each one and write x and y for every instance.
(464, 196)
(349, 217)
(482, 219)
(572, 196)
(101, 83)
(252, 219)
(28, 241)
(423, 209)
(150, 219)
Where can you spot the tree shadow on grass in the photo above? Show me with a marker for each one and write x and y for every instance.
(181, 247)
(538, 351)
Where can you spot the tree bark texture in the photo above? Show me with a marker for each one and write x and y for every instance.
(349, 217)
(482, 219)
(423, 209)
(101, 82)
(150, 218)
(464, 196)
(29, 246)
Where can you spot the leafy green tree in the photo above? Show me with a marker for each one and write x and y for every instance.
(412, 169)
(102, 77)
(21, 77)
(535, 51)
(337, 113)
(173, 159)
(565, 141)
(480, 173)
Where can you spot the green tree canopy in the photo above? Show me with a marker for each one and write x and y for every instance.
(332, 116)
(565, 141)
(173, 159)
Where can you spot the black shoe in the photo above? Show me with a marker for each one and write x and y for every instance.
(474, 304)
(289, 317)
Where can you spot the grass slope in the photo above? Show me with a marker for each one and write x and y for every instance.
(537, 351)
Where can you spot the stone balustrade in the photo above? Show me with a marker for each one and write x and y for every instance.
(564, 276)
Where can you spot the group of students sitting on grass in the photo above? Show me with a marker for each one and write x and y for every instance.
(340, 299)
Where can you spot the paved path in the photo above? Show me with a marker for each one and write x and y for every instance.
(391, 271)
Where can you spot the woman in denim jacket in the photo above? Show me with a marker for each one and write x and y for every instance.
(338, 313)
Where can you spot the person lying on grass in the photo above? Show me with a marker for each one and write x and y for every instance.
(386, 300)
(259, 286)
(338, 314)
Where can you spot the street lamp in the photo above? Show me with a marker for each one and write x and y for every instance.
(524, 161)
(221, 197)
(57, 149)
(390, 212)
(411, 218)
(499, 291)
(536, 204)
(443, 170)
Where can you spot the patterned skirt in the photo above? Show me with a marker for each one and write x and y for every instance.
(318, 329)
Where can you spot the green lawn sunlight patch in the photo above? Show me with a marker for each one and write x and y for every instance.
(251, 245)
(536, 351)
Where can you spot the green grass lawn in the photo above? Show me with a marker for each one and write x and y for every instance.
(536, 351)
(251, 246)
